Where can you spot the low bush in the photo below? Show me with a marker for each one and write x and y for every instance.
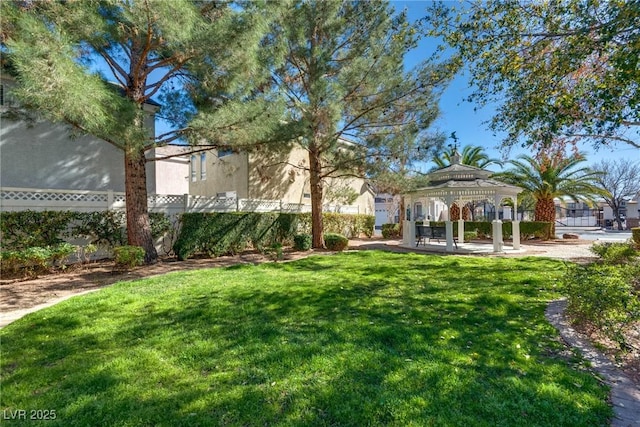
(635, 236)
(61, 253)
(615, 252)
(128, 256)
(604, 296)
(335, 242)
(11, 262)
(484, 229)
(275, 251)
(302, 242)
(390, 231)
(470, 235)
(35, 259)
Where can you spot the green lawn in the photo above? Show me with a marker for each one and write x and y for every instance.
(362, 338)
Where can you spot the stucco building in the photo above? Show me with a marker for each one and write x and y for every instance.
(273, 175)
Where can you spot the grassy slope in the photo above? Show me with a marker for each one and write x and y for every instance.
(365, 338)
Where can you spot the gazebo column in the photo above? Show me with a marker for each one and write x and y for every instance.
(516, 225)
(449, 225)
(461, 229)
(498, 243)
(409, 225)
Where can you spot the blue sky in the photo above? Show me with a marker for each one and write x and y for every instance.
(459, 116)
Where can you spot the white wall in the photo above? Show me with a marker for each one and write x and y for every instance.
(169, 176)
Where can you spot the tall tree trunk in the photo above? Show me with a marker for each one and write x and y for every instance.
(138, 224)
(545, 210)
(455, 212)
(317, 188)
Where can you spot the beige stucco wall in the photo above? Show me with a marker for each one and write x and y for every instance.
(223, 174)
(270, 175)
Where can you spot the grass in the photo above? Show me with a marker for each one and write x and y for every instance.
(362, 338)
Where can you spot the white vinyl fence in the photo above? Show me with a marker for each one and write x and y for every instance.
(21, 199)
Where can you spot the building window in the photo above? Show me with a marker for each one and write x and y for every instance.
(193, 168)
(203, 166)
(1, 94)
(307, 195)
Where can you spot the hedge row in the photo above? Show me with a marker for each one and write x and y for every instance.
(216, 234)
(28, 229)
(484, 229)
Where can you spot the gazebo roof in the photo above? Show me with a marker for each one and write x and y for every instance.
(463, 182)
(458, 172)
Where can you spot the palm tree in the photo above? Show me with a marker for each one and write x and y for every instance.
(549, 177)
(471, 156)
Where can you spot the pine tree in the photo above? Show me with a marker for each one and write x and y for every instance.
(347, 92)
(205, 58)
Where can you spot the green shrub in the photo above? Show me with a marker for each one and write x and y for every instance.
(128, 256)
(603, 295)
(11, 261)
(528, 229)
(635, 236)
(61, 252)
(470, 235)
(216, 234)
(160, 224)
(275, 251)
(85, 252)
(106, 228)
(36, 259)
(348, 225)
(615, 252)
(335, 242)
(390, 231)
(302, 242)
(24, 229)
(535, 230)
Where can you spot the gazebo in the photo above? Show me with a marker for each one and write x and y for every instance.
(459, 184)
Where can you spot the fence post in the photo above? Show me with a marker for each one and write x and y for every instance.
(186, 201)
(110, 200)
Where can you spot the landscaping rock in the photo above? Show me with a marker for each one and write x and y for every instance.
(570, 236)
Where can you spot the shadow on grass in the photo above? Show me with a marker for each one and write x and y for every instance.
(355, 339)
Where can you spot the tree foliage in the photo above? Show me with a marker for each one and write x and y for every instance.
(552, 175)
(471, 156)
(206, 58)
(559, 68)
(620, 181)
(348, 95)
